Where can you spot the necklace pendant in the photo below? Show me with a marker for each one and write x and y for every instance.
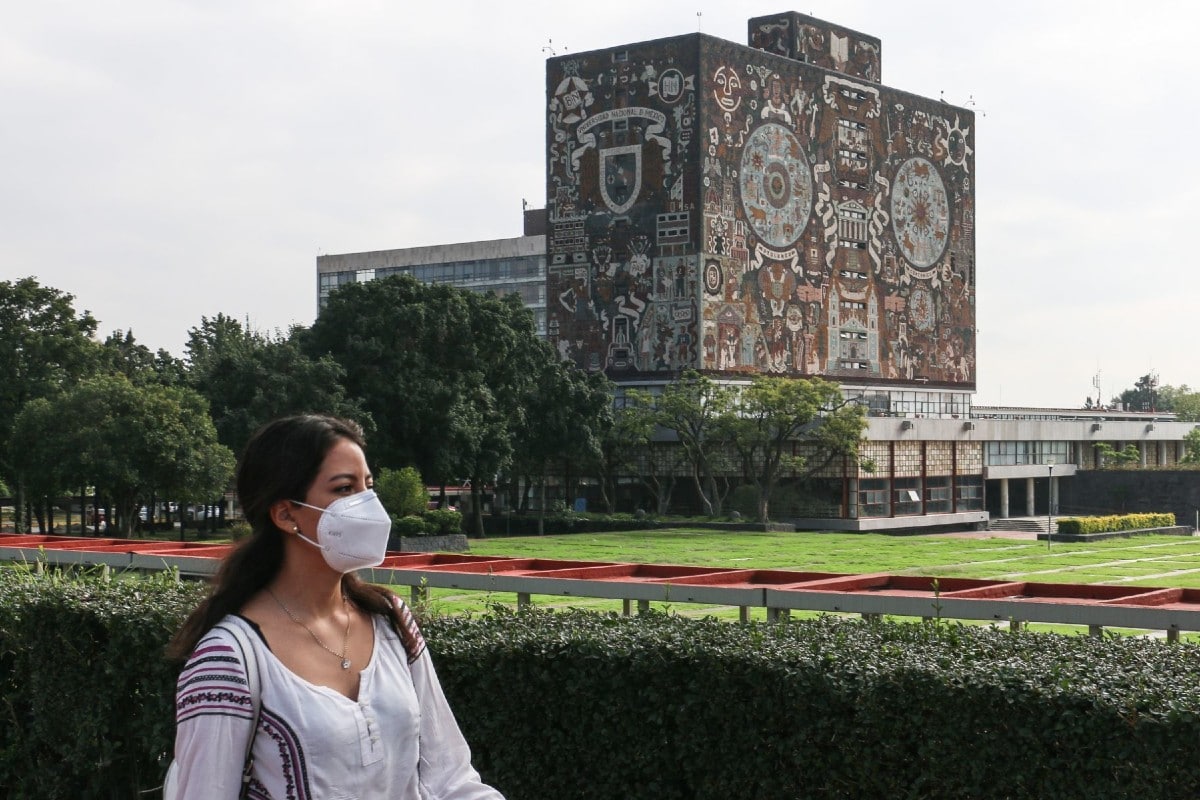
(345, 663)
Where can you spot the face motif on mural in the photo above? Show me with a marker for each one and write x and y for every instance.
(728, 89)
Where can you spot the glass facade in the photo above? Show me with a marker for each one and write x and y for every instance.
(913, 496)
(524, 276)
(913, 403)
(1010, 454)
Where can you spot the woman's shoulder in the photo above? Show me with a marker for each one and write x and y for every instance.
(404, 622)
(216, 680)
(227, 642)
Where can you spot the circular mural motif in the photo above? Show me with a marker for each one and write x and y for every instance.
(776, 185)
(712, 278)
(920, 212)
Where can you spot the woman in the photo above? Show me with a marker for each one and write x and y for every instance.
(348, 703)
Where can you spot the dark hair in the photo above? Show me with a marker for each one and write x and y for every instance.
(280, 462)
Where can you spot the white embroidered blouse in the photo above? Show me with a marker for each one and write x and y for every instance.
(398, 740)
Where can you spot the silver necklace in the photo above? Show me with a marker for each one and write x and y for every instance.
(345, 638)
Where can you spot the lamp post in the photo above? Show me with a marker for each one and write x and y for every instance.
(1050, 503)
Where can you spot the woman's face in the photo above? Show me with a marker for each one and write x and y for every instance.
(343, 472)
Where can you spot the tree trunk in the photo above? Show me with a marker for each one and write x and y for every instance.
(19, 519)
(477, 508)
(708, 508)
(541, 526)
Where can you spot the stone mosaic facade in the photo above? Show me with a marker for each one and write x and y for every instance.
(769, 209)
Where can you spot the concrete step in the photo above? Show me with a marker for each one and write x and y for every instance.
(1026, 524)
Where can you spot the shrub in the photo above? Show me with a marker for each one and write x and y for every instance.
(744, 500)
(653, 707)
(409, 526)
(1114, 523)
(240, 530)
(443, 521)
(402, 491)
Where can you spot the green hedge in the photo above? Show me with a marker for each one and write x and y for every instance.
(1114, 522)
(86, 697)
(664, 708)
(581, 705)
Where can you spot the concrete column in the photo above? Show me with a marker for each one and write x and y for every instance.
(1004, 498)
(1162, 454)
(1142, 448)
(1053, 495)
(852, 500)
(1029, 497)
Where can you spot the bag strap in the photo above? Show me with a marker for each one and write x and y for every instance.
(250, 660)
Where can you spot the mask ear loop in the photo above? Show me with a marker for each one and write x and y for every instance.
(296, 526)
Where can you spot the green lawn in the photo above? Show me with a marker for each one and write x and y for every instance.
(1137, 561)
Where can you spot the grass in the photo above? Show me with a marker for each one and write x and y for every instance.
(1138, 561)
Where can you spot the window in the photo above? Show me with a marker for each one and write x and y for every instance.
(937, 495)
(907, 495)
(970, 492)
(873, 497)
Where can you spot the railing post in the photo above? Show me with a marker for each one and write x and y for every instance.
(522, 599)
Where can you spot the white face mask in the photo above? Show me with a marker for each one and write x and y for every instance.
(352, 532)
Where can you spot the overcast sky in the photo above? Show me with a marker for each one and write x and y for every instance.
(165, 160)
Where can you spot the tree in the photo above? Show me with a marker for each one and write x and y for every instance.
(398, 342)
(566, 412)
(1144, 396)
(402, 491)
(1191, 447)
(250, 378)
(128, 441)
(443, 371)
(623, 442)
(121, 354)
(790, 425)
(45, 346)
(692, 407)
(1186, 404)
(1109, 456)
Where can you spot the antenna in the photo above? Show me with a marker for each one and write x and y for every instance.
(699, 14)
(971, 102)
(548, 47)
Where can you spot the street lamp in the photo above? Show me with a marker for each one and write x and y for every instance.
(1050, 503)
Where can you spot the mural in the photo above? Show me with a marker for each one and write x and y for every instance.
(623, 276)
(715, 206)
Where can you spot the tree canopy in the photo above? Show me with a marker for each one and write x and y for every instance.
(45, 346)
(129, 442)
(250, 378)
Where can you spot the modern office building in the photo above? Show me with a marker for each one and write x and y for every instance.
(504, 266)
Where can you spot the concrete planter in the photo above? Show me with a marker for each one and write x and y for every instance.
(450, 543)
(1176, 530)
